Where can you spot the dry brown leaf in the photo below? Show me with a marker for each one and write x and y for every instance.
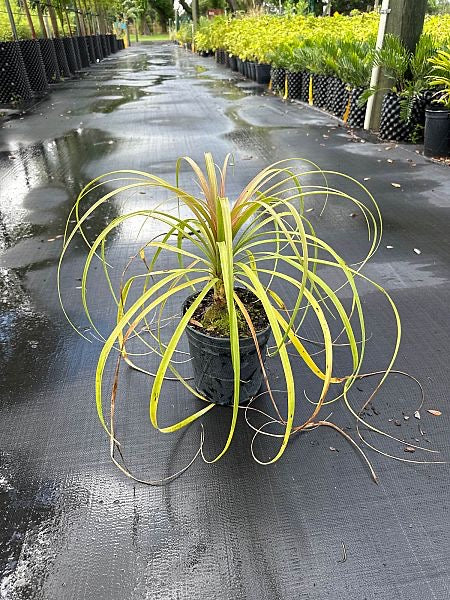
(435, 413)
(410, 449)
(396, 185)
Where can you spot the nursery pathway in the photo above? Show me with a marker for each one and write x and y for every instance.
(71, 526)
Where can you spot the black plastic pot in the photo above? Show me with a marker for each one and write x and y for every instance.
(277, 76)
(220, 56)
(98, 47)
(392, 126)
(84, 52)
(330, 93)
(227, 60)
(120, 44)
(251, 71)
(76, 48)
(91, 48)
(239, 64)
(357, 114)
(14, 84)
(437, 132)
(294, 84)
(34, 65)
(233, 63)
(70, 54)
(49, 59)
(320, 90)
(340, 98)
(105, 45)
(262, 72)
(112, 42)
(213, 369)
(61, 56)
(304, 96)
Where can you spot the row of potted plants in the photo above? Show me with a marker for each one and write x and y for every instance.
(29, 66)
(328, 63)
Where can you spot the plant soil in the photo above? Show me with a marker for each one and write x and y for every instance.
(219, 326)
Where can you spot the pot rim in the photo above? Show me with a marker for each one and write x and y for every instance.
(223, 337)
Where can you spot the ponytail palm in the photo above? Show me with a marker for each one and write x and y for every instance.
(260, 240)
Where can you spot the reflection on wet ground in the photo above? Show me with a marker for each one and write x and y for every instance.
(71, 526)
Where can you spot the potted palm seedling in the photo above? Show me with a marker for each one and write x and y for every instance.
(437, 123)
(228, 274)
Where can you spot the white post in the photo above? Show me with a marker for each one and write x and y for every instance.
(376, 70)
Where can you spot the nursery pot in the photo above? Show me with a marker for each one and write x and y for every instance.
(233, 63)
(112, 42)
(437, 132)
(104, 44)
(70, 54)
(14, 84)
(262, 72)
(392, 126)
(84, 52)
(34, 65)
(76, 49)
(278, 76)
(213, 369)
(50, 61)
(61, 56)
(357, 113)
(294, 84)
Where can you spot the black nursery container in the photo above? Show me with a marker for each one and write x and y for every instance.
(14, 84)
(331, 93)
(112, 43)
(76, 48)
(70, 54)
(277, 76)
(220, 56)
(437, 132)
(320, 83)
(213, 369)
(262, 72)
(233, 63)
(357, 113)
(34, 65)
(98, 47)
(294, 84)
(84, 52)
(105, 45)
(91, 48)
(340, 98)
(61, 56)
(392, 127)
(304, 96)
(251, 71)
(120, 44)
(49, 59)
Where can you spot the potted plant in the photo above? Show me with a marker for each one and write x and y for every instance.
(403, 108)
(437, 120)
(355, 66)
(250, 267)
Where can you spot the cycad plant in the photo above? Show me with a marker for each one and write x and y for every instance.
(407, 71)
(257, 249)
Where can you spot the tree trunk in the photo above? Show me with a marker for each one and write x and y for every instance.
(405, 20)
(54, 21)
(186, 7)
(233, 5)
(29, 19)
(41, 21)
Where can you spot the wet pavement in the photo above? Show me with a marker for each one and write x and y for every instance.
(71, 525)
